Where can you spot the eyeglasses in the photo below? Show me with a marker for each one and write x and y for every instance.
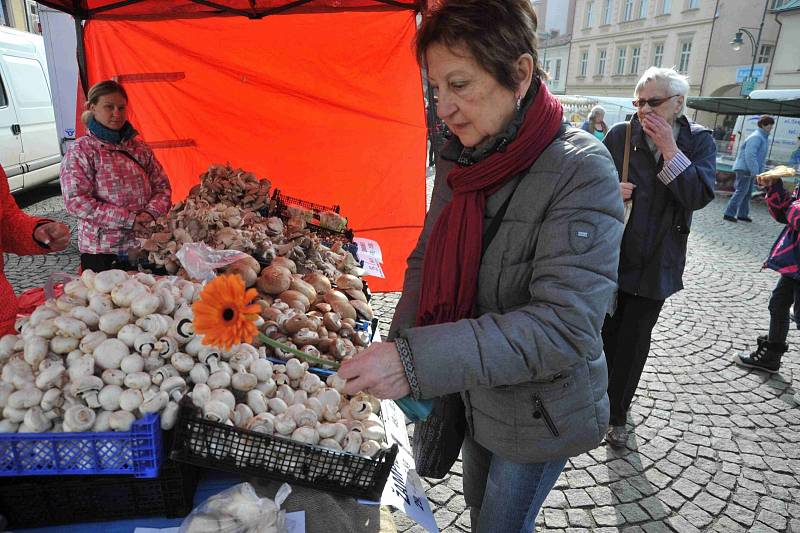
(652, 102)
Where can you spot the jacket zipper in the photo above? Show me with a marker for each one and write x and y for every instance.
(540, 409)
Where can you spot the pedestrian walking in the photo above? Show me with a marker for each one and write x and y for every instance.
(783, 258)
(22, 234)
(595, 123)
(671, 172)
(749, 163)
(111, 181)
(505, 293)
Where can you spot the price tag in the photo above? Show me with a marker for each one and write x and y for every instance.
(372, 268)
(367, 248)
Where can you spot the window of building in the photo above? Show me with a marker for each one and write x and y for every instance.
(621, 53)
(643, 8)
(658, 54)
(587, 21)
(584, 62)
(608, 8)
(601, 62)
(547, 66)
(686, 51)
(5, 13)
(692, 4)
(666, 7)
(777, 4)
(32, 17)
(627, 10)
(557, 71)
(635, 60)
(764, 54)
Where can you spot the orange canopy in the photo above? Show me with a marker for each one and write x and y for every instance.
(327, 105)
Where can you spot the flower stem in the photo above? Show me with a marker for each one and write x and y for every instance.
(297, 353)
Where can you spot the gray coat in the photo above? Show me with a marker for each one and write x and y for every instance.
(530, 367)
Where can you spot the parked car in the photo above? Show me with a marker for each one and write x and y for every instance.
(29, 149)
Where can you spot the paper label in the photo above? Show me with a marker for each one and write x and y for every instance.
(404, 489)
(373, 268)
(368, 249)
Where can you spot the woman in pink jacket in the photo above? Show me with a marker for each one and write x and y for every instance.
(110, 180)
(22, 234)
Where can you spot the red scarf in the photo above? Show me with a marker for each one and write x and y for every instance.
(453, 252)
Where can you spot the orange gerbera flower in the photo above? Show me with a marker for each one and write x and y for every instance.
(224, 314)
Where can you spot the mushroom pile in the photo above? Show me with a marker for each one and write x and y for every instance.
(99, 356)
(223, 212)
(117, 346)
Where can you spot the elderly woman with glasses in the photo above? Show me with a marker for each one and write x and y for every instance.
(671, 172)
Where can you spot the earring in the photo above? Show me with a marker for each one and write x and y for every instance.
(519, 102)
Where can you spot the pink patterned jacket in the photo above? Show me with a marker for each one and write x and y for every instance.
(105, 185)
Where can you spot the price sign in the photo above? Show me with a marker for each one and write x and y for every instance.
(367, 248)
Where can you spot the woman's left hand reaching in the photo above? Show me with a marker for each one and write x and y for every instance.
(54, 235)
(377, 371)
(140, 222)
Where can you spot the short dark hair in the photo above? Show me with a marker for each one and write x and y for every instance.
(765, 120)
(496, 32)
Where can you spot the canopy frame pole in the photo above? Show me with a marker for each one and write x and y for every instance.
(109, 7)
(404, 5)
(80, 51)
(281, 9)
(228, 9)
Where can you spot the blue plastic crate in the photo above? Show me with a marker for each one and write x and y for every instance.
(137, 452)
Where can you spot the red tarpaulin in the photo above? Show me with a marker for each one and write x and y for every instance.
(327, 105)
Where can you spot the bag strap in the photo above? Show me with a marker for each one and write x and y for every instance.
(627, 158)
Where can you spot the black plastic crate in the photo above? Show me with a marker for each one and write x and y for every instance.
(55, 500)
(213, 445)
(282, 201)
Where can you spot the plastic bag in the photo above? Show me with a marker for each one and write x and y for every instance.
(200, 261)
(239, 510)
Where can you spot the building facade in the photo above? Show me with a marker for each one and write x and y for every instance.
(785, 72)
(20, 14)
(615, 41)
(554, 57)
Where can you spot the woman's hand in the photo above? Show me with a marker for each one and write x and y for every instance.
(659, 130)
(140, 222)
(54, 234)
(626, 189)
(377, 371)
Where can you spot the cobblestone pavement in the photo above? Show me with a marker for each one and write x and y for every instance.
(714, 447)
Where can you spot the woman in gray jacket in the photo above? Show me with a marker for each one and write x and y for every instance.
(510, 321)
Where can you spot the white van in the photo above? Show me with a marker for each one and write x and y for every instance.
(29, 149)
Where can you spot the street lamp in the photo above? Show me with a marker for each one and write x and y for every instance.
(737, 42)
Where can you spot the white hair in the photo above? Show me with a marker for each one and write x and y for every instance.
(596, 110)
(676, 83)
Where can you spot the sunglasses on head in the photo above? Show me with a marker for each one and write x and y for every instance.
(652, 102)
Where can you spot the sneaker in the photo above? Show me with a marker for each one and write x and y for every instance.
(729, 218)
(745, 219)
(617, 436)
(766, 357)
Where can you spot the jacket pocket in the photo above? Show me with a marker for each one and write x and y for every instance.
(540, 411)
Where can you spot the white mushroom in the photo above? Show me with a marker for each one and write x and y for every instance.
(311, 383)
(154, 404)
(18, 373)
(78, 418)
(87, 389)
(277, 406)
(85, 315)
(162, 373)
(285, 424)
(200, 394)
(262, 369)
(369, 448)
(113, 376)
(7, 426)
(109, 397)
(210, 357)
(63, 345)
(335, 382)
(219, 380)
(285, 393)
(155, 324)
(360, 408)
(83, 366)
(331, 444)
(121, 420)
(50, 376)
(70, 327)
(113, 321)
(51, 400)
(35, 421)
(129, 291)
(306, 434)
(35, 350)
(375, 433)
(352, 442)
(129, 333)
(46, 328)
(13, 414)
(166, 346)
(257, 401)
(102, 422)
(132, 363)
(182, 362)
(7, 343)
(42, 313)
(101, 304)
(216, 411)
(244, 381)
(130, 399)
(175, 387)
(262, 423)
(295, 369)
(91, 341)
(241, 414)
(268, 387)
(137, 380)
(225, 396)
(110, 353)
(199, 373)
(145, 304)
(25, 398)
(5, 391)
(169, 416)
(104, 282)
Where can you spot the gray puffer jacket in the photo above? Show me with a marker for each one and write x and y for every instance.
(530, 368)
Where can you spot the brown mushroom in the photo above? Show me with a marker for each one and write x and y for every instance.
(345, 310)
(303, 287)
(356, 294)
(305, 337)
(286, 263)
(349, 281)
(323, 307)
(245, 272)
(363, 309)
(295, 299)
(318, 280)
(332, 297)
(295, 323)
(332, 321)
(274, 279)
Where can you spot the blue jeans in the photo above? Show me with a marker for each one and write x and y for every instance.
(739, 204)
(505, 497)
